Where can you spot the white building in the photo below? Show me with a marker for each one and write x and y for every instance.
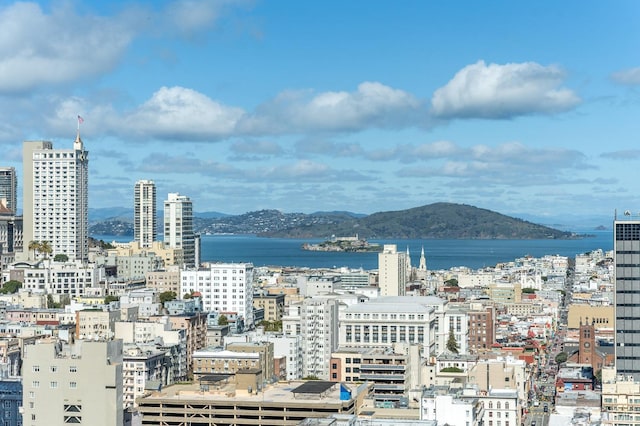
(449, 409)
(55, 198)
(9, 188)
(383, 321)
(225, 287)
(66, 278)
(392, 271)
(144, 368)
(317, 322)
(178, 226)
(145, 217)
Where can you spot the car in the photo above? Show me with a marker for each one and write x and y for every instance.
(533, 423)
(545, 408)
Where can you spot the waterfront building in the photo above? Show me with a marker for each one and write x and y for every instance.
(145, 216)
(392, 271)
(79, 383)
(55, 198)
(178, 226)
(627, 297)
(9, 189)
(224, 287)
(317, 322)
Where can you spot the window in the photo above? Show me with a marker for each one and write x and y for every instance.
(54, 368)
(73, 385)
(73, 369)
(53, 385)
(35, 384)
(36, 368)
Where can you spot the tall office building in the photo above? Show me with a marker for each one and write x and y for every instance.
(178, 226)
(392, 271)
(55, 198)
(9, 188)
(145, 213)
(626, 246)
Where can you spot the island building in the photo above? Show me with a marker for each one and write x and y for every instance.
(9, 189)
(78, 383)
(145, 216)
(178, 227)
(392, 271)
(55, 198)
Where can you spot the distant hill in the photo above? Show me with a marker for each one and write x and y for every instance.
(439, 220)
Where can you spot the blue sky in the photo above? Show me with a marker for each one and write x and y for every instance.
(525, 108)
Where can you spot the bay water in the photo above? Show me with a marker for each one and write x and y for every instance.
(440, 254)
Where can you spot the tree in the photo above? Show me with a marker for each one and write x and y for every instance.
(451, 282)
(452, 344)
(110, 298)
(561, 357)
(34, 246)
(46, 249)
(61, 257)
(311, 377)
(528, 290)
(167, 296)
(223, 320)
(51, 303)
(10, 287)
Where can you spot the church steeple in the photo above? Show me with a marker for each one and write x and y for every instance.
(423, 261)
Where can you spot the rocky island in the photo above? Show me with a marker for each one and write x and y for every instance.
(344, 244)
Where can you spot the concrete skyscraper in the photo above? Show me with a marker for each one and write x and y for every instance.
(145, 213)
(178, 226)
(9, 188)
(626, 248)
(55, 198)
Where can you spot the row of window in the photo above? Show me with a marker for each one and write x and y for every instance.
(53, 385)
(54, 368)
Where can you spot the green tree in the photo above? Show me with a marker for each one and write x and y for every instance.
(110, 298)
(561, 357)
(10, 287)
(311, 377)
(223, 320)
(452, 282)
(46, 249)
(167, 296)
(452, 344)
(51, 304)
(528, 290)
(61, 257)
(33, 247)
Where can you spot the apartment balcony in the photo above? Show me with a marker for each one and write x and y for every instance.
(382, 377)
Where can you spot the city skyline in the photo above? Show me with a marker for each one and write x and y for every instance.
(308, 106)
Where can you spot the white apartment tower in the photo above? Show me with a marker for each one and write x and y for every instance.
(55, 198)
(392, 271)
(81, 383)
(225, 287)
(145, 213)
(178, 226)
(9, 188)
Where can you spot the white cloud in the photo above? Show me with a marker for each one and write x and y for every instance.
(38, 48)
(630, 77)
(371, 105)
(180, 113)
(503, 91)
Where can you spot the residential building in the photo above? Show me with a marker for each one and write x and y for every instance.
(392, 271)
(178, 226)
(55, 198)
(145, 367)
(224, 287)
(482, 328)
(273, 305)
(11, 402)
(10, 237)
(165, 280)
(80, 383)
(72, 278)
(9, 189)
(317, 322)
(145, 216)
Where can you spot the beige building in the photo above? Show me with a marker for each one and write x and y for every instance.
(170, 256)
(165, 280)
(81, 383)
(273, 305)
(392, 271)
(263, 349)
(620, 399)
(505, 292)
(602, 316)
(195, 327)
(280, 404)
(96, 323)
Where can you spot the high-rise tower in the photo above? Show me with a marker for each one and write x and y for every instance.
(626, 247)
(145, 213)
(9, 188)
(55, 198)
(178, 226)
(392, 271)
